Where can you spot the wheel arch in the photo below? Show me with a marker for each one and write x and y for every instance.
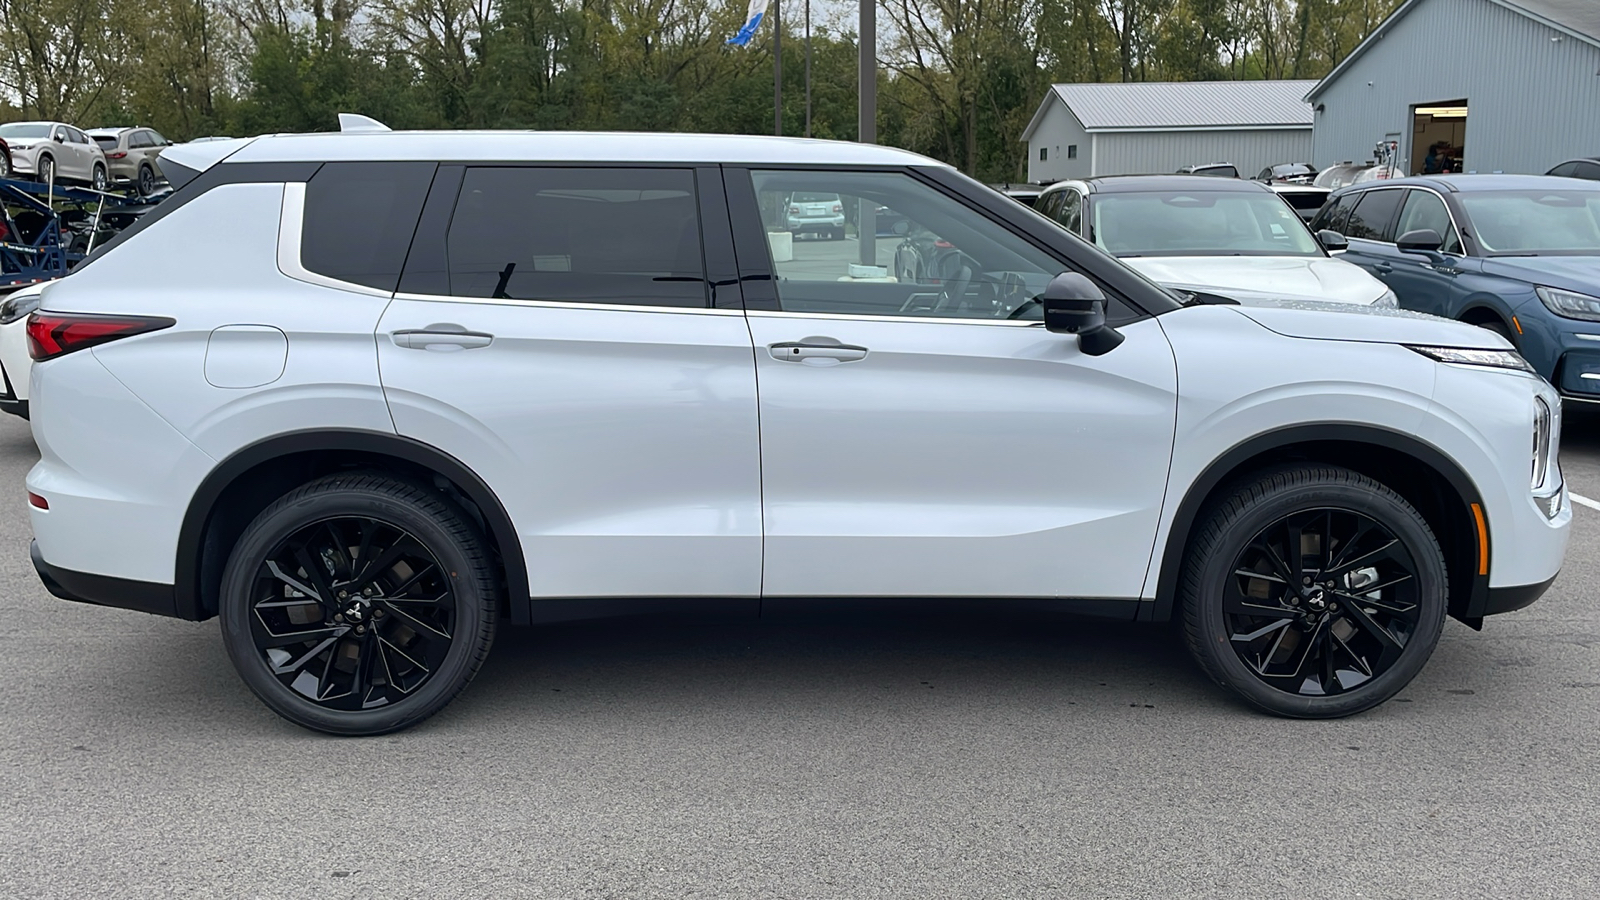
(1424, 475)
(241, 486)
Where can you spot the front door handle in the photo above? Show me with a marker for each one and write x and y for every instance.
(825, 352)
(1383, 268)
(445, 338)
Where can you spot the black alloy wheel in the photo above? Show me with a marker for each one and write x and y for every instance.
(1314, 592)
(147, 181)
(98, 177)
(358, 604)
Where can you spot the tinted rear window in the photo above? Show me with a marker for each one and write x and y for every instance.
(106, 142)
(590, 235)
(359, 220)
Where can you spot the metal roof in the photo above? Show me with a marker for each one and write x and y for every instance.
(1578, 18)
(1182, 105)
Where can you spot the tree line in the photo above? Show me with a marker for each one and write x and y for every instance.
(958, 79)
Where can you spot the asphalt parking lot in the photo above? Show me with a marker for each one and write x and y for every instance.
(831, 756)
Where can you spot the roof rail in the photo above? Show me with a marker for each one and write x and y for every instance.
(351, 122)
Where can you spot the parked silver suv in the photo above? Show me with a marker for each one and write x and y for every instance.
(53, 151)
(131, 155)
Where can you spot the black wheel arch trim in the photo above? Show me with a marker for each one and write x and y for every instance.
(191, 535)
(1478, 600)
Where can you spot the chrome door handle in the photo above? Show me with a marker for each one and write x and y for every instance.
(444, 338)
(821, 351)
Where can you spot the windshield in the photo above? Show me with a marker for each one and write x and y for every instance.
(1201, 223)
(1535, 222)
(24, 130)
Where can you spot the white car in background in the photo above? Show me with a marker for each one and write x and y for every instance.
(1228, 237)
(14, 361)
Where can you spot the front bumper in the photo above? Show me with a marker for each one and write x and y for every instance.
(103, 590)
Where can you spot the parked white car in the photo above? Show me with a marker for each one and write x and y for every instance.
(504, 397)
(1227, 237)
(15, 366)
(50, 151)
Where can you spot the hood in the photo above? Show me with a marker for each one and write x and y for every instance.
(1252, 279)
(1572, 273)
(1378, 325)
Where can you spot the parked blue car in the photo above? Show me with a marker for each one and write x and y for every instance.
(1517, 254)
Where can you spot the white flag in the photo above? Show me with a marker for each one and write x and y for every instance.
(758, 10)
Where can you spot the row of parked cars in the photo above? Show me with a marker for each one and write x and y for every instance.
(101, 158)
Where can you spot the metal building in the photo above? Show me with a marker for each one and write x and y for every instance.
(1082, 130)
(1496, 85)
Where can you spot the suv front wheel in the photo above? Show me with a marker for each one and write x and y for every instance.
(359, 604)
(1313, 592)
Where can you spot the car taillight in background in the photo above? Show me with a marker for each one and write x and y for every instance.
(54, 334)
(117, 155)
(838, 208)
(794, 210)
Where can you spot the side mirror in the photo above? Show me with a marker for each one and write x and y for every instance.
(1074, 305)
(1421, 240)
(59, 138)
(1332, 240)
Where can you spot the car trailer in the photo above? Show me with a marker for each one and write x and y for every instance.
(46, 229)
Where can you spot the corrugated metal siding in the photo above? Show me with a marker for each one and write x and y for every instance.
(1057, 131)
(1188, 104)
(1161, 152)
(1532, 101)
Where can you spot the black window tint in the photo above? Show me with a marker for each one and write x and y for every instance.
(1565, 170)
(139, 140)
(627, 236)
(1588, 170)
(1372, 214)
(359, 219)
(1332, 215)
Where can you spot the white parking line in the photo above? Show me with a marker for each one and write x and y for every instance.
(1584, 501)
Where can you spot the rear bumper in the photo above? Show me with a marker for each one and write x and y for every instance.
(103, 590)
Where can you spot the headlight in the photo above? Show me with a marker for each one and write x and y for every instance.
(17, 307)
(1498, 359)
(1387, 301)
(1570, 304)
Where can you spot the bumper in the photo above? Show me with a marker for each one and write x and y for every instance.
(832, 223)
(1510, 599)
(103, 590)
(22, 165)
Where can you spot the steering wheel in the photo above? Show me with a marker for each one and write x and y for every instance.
(954, 289)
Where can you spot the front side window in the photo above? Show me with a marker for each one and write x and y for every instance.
(359, 218)
(897, 247)
(1535, 222)
(1199, 223)
(1333, 214)
(586, 235)
(1370, 218)
(1070, 215)
(1424, 209)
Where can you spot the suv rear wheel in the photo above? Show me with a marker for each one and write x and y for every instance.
(358, 604)
(1313, 592)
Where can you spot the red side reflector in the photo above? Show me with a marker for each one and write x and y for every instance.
(37, 501)
(52, 334)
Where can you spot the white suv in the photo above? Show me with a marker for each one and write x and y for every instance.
(363, 396)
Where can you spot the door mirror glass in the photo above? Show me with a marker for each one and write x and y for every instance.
(1332, 240)
(1421, 240)
(1074, 305)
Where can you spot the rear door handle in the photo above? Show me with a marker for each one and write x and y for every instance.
(825, 353)
(1383, 268)
(443, 338)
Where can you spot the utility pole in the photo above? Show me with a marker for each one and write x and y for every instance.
(867, 125)
(808, 68)
(777, 67)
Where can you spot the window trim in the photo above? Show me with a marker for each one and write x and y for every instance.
(438, 212)
(290, 225)
(1461, 236)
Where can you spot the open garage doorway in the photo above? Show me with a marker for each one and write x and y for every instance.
(1441, 127)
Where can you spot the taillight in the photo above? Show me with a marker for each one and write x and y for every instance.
(53, 334)
(794, 210)
(838, 208)
(117, 155)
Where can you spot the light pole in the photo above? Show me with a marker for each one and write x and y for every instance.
(777, 67)
(867, 125)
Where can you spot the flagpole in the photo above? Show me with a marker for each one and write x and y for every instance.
(808, 68)
(867, 125)
(777, 67)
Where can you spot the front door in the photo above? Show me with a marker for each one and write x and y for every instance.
(932, 439)
(554, 332)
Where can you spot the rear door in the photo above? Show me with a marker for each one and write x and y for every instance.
(1370, 229)
(555, 331)
(934, 439)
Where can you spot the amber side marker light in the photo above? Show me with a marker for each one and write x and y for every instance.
(37, 501)
(1483, 540)
(1516, 323)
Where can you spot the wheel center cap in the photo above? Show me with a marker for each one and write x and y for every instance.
(356, 612)
(1317, 599)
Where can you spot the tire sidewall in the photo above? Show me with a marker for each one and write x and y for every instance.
(1393, 514)
(283, 519)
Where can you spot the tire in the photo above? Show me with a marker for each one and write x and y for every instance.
(147, 181)
(368, 663)
(97, 178)
(1498, 327)
(1329, 657)
(5, 164)
(45, 169)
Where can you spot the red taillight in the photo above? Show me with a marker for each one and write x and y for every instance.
(838, 208)
(794, 210)
(52, 334)
(117, 155)
(37, 501)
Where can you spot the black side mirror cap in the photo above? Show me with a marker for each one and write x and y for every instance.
(1421, 240)
(1332, 240)
(1075, 305)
